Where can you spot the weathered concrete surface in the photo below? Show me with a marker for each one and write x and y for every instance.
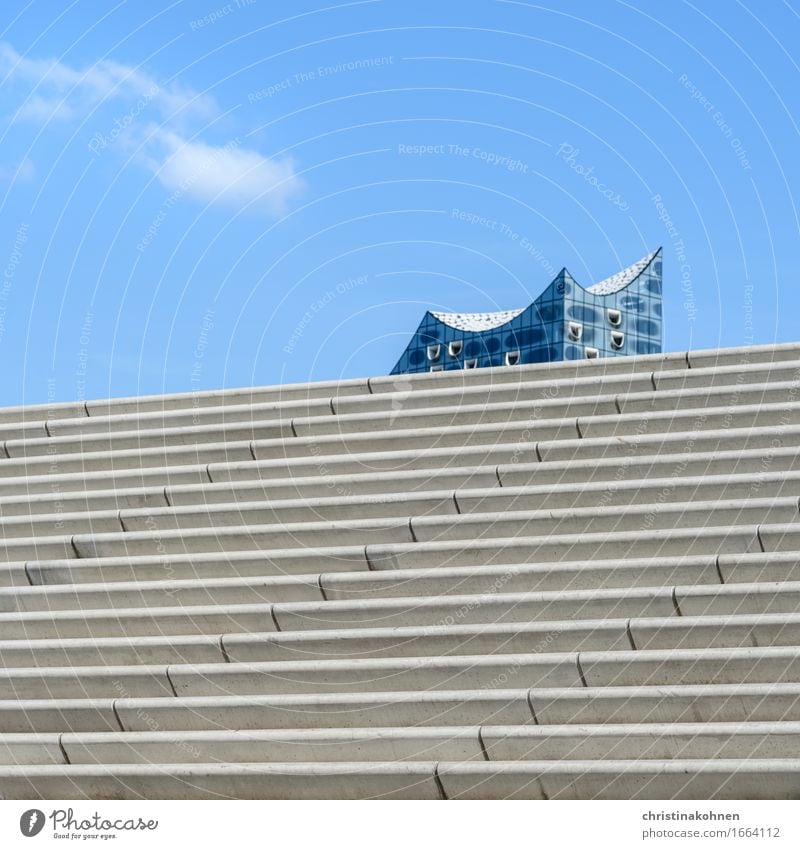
(574, 580)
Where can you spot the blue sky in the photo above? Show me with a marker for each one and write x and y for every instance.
(207, 194)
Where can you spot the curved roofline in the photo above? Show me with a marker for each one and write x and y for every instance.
(622, 279)
(477, 322)
(480, 321)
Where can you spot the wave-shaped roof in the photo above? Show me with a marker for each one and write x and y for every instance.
(476, 320)
(622, 278)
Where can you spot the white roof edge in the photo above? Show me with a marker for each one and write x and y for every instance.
(475, 321)
(623, 278)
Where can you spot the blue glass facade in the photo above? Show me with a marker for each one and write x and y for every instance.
(617, 317)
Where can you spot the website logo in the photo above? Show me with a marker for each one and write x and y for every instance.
(31, 822)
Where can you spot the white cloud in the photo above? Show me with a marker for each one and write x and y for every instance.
(58, 91)
(20, 173)
(228, 174)
(54, 91)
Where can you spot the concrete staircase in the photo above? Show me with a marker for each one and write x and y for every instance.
(577, 580)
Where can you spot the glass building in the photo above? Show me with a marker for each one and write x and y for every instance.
(618, 316)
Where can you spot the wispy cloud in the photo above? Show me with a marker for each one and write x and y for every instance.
(58, 91)
(52, 91)
(229, 175)
(21, 172)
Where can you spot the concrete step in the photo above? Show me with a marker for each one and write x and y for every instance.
(723, 666)
(780, 489)
(575, 575)
(530, 577)
(467, 672)
(274, 440)
(347, 710)
(66, 496)
(664, 704)
(643, 466)
(577, 634)
(584, 572)
(320, 645)
(332, 509)
(686, 554)
(683, 476)
(762, 597)
(270, 422)
(110, 651)
(161, 593)
(136, 622)
(619, 779)
(162, 512)
(752, 568)
(350, 676)
(542, 430)
(629, 491)
(780, 537)
(551, 548)
(36, 413)
(612, 779)
(13, 575)
(445, 640)
(626, 518)
(642, 519)
(523, 450)
(448, 638)
(368, 780)
(483, 413)
(643, 443)
(395, 403)
(327, 486)
(120, 483)
(212, 566)
(686, 421)
(529, 386)
(549, 605)
(67, 583)
(211, 540)
(131, 459)
(687, 396)
(217, 747)
(715, 631)
(638, 397)
(758, 740)
(35, 716)
(354, 581)
(195, 416)
(576, 706)
(725, 362)
(197, 437)
(30, 749)
(691, 666)
(744, 356)
(639, 742)
(185, 401)
(21, 684)
(733, 375)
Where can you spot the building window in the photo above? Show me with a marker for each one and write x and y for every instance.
(617, 339)
(512, 358)
(433, 352)
(471, 363)
(592, 353)
(575, 331)
(614, 317)
(454, 348)
(437, 368)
